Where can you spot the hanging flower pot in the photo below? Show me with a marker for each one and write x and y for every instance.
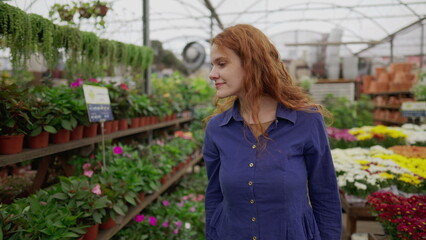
(77, 133)
(62, 136)
(39, 141)
(11, 144)
(91, 130)
(101, 10)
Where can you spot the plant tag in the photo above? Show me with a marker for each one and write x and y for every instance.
(98, 103)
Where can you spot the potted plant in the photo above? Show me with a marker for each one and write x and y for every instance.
(85, 10)
(64, 121)
(101, 8)
(65, 12)
(13, 118)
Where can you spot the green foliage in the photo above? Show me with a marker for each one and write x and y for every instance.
(14, 110)
(26, 34)
(348, 115)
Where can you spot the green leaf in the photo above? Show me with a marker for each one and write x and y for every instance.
(130, 199)
(66, 124)
(36, 131)
(60, 196)
(49, 129)
(118, 210)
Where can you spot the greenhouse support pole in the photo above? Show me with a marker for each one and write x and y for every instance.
(391, 50)
(146, 42)
(422, 52)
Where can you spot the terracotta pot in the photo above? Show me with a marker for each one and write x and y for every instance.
(164, 179)
(144, 121)
(110, 223)
(92, 233)
(107, 127)
(135, 123)
(11, 144)
(122, 124)
(77, 133)
(39, 141)
(4, 172)
(141, 196)
(62, 136)
(114, 126)
(91, 130)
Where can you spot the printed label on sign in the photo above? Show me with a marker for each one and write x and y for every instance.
(98, 103)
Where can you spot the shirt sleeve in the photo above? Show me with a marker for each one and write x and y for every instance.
(213, 193)
(322, 182)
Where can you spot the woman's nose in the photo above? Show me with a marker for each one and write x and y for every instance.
(213, 75)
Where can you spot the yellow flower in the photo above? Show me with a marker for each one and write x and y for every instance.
(415, 165)
(364, 136)
(387, 175)
(364, 167)
(409, 179)
(363, 162)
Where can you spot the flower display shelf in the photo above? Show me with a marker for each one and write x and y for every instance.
(107, 234)
(354, 212)
(375, 236)
(388, 122)
(388, 106)
(28, 154)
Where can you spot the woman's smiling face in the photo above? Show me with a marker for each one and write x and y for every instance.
(227, 72)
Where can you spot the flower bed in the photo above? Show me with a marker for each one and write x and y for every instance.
(361, 172)
(402, 218)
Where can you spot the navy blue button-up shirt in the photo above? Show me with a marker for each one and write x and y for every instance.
(285, 191)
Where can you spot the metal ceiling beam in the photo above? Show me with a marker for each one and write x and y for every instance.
(390, 36)
(214, 14)
(331, 43)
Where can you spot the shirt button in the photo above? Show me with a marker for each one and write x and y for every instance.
(252, 201)
(253, 219)
(254, 146)
(250, 183)
(251, 164)
(254, 238)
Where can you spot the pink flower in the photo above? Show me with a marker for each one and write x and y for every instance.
(94, 80)
(200, 197)
(97, 189)
(185, 198)
(139, 218)
(77, 83)
(88, 173)
(165, 224)
(152, 221)
(124, 86)
(87, 166)
(165, 203)
(159, 142)
(180, 204)
(176, 231)
(178, 224)
(192, 209)
(117, 150)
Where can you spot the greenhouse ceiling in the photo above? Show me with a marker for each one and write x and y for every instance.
(293, 25)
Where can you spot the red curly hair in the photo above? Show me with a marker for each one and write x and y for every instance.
(265, 74)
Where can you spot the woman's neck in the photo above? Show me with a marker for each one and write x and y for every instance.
(267, 110)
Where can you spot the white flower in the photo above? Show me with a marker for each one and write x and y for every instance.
(187, 225)
(360, 185)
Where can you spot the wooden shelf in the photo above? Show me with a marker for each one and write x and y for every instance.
(28, 154)
(107, 234)
(390, 93)
(388, 121)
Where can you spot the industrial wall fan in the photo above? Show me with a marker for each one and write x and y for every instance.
(193, 55)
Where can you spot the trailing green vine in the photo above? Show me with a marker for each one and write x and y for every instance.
(86, 54)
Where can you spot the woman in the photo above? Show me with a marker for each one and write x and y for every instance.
(271, 175)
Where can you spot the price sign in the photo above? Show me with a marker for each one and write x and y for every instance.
(98, 103)
(413, 109)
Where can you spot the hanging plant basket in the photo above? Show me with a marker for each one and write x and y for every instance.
(101, 10)
(84, 13)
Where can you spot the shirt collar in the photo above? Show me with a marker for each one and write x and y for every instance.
(282, 112)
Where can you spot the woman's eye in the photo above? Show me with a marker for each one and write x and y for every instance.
(221, 64)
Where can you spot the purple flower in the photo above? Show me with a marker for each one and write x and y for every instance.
(180, 204)
(152, 221)
(77, 83)
(192, 209)
(340, 134)
(176, 231)
(139, 218)
(117, 150)
(178, 224)
(165, 224)
(165, 203)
